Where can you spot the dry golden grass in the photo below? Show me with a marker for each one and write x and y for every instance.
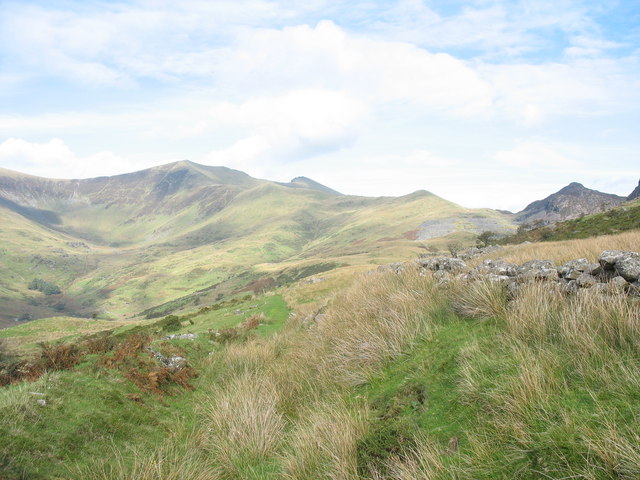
(176, 459)
(479, 299)
(620, 453)
(323, 443)
(423, 462)
(243, 426)
(561, 252)
(373, 321)
(587, 322)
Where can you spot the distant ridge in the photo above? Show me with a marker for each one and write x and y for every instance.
(304, 182)
(568, 203)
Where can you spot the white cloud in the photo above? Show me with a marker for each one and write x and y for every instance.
(289, 127)
(326, 56)
(536, 155)
(55, 159)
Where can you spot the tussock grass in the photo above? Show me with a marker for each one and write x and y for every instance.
(479, 299)
(588, 322)
(243, 427)
(176, 459)
(323, 443)
(373, 321)
(546, 386)
(422, 462)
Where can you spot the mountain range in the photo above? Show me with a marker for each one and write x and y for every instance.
(177, 235)
(187, 233)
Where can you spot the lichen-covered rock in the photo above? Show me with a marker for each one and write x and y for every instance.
(628, 267)
(495, 267)
(574, 268)
(537, 270)
(442, 276)
(183, 336)
(569, 287)
(609, 258)
(586, 281)
(396, 267)
(448, 264)
(617, 285)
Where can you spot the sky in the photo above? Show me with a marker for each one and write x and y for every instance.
(488, 103)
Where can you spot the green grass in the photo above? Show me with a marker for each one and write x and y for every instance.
(418, 393)
(89, 409)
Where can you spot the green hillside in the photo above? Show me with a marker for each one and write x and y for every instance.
(615, 220)
(183, 234)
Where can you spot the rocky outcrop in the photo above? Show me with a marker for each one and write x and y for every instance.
(616, 271)
(635, 194)
(568, 203)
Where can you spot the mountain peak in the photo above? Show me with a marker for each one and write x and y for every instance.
(305, 182)
(569, 202)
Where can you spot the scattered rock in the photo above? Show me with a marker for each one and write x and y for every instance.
(42, 402)
(574, 268)
(617, 271)
(183, 336)
(396, 267)
(172, 363)
(314, 280)
(447, 264)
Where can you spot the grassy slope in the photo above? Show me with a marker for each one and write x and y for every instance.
(544, 388)
(92, 411)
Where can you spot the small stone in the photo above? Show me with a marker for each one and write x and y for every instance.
(42, 402)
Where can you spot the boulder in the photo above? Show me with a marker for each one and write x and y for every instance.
(617, 284)
(537, 270)
(628, 267)
(586, 281)
(574, 268)
(609, 258)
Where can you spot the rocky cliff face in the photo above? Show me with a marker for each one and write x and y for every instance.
(635, 194)
(570, 202)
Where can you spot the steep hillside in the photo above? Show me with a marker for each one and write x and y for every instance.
(614, 220)
(570, 202)
(635, 194)
(182, 234)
